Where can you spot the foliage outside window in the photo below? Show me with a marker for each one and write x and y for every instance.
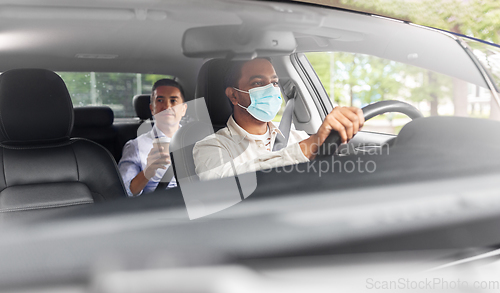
(478, 19)
(115, 90)
(352, 79)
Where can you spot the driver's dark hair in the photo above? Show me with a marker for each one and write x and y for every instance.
(233, 72)
(167, 82)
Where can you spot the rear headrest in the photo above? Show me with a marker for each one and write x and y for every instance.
(93, 116)
(141, 106)
(211, 86)
(35, 106)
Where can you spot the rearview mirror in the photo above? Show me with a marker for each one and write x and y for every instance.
(235, 41)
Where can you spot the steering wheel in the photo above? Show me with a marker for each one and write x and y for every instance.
(333, 140)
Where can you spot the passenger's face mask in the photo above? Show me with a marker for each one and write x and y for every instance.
(265, 102)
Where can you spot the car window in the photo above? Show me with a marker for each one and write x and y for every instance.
(280, 112)
(352, 79)
(115, 90)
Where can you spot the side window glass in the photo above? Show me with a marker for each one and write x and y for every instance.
(115, 90)
(277, 119)
(352, 79)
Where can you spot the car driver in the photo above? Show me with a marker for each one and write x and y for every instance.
(248, 140)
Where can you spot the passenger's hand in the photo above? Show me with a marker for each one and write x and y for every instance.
(347, 121)
(158, 158)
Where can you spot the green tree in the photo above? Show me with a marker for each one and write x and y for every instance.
(78, 85)
(479, 19)
(115, 90)
(367, 79)
(382, 77)
(433, 87)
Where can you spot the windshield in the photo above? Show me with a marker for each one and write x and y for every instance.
(353, 79)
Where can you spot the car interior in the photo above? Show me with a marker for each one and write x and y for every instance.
(64, 210)
(201, 65)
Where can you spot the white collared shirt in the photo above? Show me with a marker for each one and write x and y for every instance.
(215, 154)
(134, 161)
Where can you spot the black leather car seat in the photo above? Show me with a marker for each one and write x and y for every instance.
(128, 129)
(96, 124)
(141, 106)
(41, 167)
(210, 86)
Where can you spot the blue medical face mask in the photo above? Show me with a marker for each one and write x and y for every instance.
(265, 102)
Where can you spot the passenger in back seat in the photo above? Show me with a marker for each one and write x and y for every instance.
(145, 161)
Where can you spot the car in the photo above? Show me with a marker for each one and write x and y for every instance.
(410, 203)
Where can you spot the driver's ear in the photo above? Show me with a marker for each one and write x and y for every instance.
(230, 93)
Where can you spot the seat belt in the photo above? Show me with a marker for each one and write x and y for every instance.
(286, 121)
(169, 174)
(163, 184)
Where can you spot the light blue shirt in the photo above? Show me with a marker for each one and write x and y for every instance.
(134, 160)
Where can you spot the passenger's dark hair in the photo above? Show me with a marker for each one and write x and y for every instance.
(168, 82)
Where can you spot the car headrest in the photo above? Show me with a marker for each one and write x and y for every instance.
(93, 116)
(35, 106)
(141, 106)
(211, 87)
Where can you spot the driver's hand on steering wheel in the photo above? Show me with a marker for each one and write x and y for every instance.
(347, 121)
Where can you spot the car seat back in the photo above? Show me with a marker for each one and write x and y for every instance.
(42, 167)
(96, 124)
(141, 106)
(210, 87)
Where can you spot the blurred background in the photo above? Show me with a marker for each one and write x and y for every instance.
(357, 80)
